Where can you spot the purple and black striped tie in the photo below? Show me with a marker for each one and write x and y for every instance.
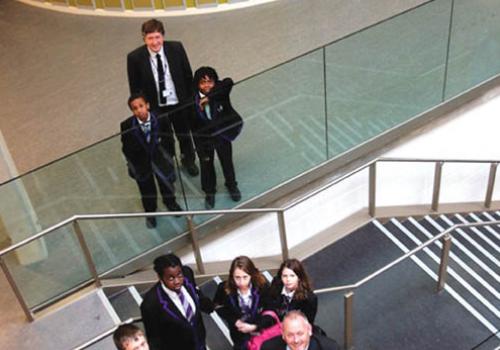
(187, 307)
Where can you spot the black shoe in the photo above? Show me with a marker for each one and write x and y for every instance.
(151, 222)
(235, 193)
(191, 169)
(174, 207)
(209, 201)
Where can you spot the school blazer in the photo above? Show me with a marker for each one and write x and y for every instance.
(143, 158)
(225, 121)
(141, 78)
(166, 328)
(227, 307)
(308, 306)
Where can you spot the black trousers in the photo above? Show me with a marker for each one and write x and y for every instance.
(206, 153)
(149, 194)
(179, 119)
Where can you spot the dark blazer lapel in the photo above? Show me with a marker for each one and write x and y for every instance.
(139, 134)
(154, 131)
(201, 113)
(168, 305)
(255, 301)
(147, 66)
(216, 108)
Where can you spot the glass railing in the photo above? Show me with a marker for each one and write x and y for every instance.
(297, 116)
(73, 253)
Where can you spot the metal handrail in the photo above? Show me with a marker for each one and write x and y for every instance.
(236, 210)
(107, 333)
(280, 212)
(131, 215)
(349, 287)
(403, 257)
(383, 159)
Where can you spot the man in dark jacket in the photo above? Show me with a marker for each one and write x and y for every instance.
(297, 335)
(161, 71)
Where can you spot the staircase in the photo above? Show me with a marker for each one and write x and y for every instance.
(126, 304)
(400, 309)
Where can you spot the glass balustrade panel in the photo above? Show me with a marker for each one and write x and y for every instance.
(474, 45)
(330, 315)
(258, 234)
(320, 214)
(116, 241)
(283, 133)
(384, 75)
(404, 183)
(49, 266)
(464, 182)
(92, 181)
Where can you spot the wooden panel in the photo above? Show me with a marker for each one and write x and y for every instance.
(112, 4)
(206, 2)
(86, 3)
(173, 3)
(142, 4)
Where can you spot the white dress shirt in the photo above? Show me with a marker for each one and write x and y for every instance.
(169, 92)
(175, 299)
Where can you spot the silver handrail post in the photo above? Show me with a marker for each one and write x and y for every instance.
(86, 253)
(491, 185)
(17, 292)
(372, 189)
(196, 245)
(445, 252)
(348, 316)
(282, 230)
(438, 169)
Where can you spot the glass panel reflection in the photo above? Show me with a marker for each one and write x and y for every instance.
(382, 76)
(55, 265)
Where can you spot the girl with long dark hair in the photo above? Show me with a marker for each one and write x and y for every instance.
(291, 289)
(239, 301)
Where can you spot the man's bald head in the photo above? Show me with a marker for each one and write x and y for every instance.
(296, 330)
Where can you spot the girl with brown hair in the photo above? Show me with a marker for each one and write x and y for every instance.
(292, 290)
(239, 301)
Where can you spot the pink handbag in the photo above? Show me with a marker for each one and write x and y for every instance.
(257, 340)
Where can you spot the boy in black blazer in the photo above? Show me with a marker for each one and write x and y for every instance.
(171, 309)
(148, 146)
(215, 126)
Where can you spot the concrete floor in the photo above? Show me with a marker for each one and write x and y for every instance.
(63, 80)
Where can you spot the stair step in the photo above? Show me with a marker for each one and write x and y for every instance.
(217, 332)
(125, 304)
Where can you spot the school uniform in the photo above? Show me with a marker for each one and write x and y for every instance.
(214, 129)
(281, 302)
(148, 150)
(233, 307)
(167, 323)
